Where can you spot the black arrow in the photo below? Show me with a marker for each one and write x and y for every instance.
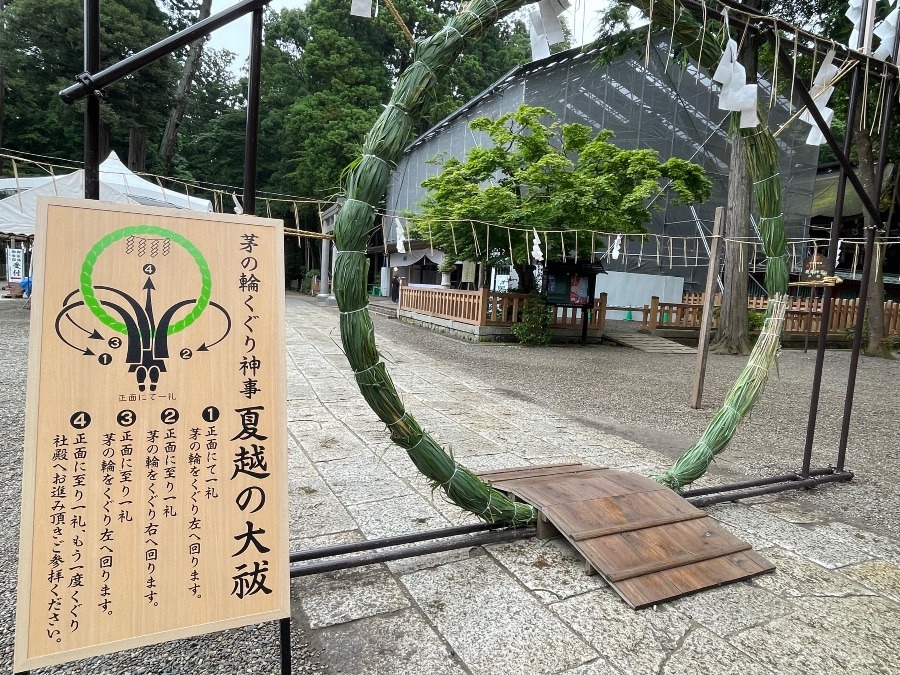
(93, 336)
(64, 312)
(148, 306)
(205, 347)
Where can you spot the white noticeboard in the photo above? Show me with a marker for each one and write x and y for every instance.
(15, 264)
(155, 486)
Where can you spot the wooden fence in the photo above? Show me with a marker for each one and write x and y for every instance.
(488, 308)
(802, 313)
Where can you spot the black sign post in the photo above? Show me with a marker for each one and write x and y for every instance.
(573, 285)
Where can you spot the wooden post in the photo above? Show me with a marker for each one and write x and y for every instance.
(706, 320)
(654, 312)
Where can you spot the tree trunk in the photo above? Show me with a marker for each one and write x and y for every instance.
(876, 345)
(731, 334)
(137, 149)
(527, 282)
(191, 65)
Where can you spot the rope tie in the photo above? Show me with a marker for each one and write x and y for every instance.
(380, 159)
(398, 420)
(780, 215)
(398, 107)
(360, 201)
(366, 370)
(488, 507)
(774, 175)
(427, 67)
(421, 438)
(353, 311)
(337, 253)
(452, 476)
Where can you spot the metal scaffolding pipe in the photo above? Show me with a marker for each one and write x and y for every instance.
(771, 489)
(756, 482)
(385, 542)
(387, 556)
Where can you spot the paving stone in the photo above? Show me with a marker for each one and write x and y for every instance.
(792, 645)
(595, 667)
(819, 546)
(357, 481)
(330, 443)
(703, 653)
(791, 511)
(550, 567)
(797, 577)
(878, 576)
(315, 509)
(398, 515)
(399, 644)
(492, 622)
(873, 544)
(732, 608)
(338, 597)
(633, 642)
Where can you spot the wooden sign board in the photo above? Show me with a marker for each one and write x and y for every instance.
(155, 483)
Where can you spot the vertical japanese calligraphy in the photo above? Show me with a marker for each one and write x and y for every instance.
(154, 492)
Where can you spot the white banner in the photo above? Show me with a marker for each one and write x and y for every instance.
(15, 264)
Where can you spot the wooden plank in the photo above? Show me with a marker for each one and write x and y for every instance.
(534, 471)
(621, 556)
(543, 493)
(611, 515)
(646, 591)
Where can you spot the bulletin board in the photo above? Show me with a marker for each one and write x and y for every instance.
(155, 484)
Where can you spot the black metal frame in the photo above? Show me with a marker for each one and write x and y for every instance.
(90, 83)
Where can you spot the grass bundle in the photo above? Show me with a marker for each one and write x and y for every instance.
(740, 400)
(365, 184)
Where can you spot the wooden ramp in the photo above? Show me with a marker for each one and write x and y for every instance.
(646, 541)
(648, 343)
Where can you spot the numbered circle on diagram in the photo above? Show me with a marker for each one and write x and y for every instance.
(169, 416)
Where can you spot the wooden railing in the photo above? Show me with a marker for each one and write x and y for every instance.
(803, 314)
(487, 308)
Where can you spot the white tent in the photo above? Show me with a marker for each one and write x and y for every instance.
(18, 213)
(117, 184)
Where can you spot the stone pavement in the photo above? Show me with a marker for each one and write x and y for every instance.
(832, 606)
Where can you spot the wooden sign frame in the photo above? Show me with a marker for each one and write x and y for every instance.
(155, 413)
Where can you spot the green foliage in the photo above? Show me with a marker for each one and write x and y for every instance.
(547, 177)
(755, 319)
(308, 278)
(534, 328)
(42, 52)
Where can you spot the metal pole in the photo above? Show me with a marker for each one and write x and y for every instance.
(772, 489)
(284, 634)
(387, 556)
(92, 107)
(868, 260)
(251, 140)
(126, 66)
(831, 259)
(384, 542)
(706, 321)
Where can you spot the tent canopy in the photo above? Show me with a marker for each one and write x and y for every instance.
(117, 184)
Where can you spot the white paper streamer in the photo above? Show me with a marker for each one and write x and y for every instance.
(887, 31)
(536, 251)
(549, 11)
(361, 8)
(736, 95)
(540, 48)
(821, 92)
(617, 245)
(401, 235)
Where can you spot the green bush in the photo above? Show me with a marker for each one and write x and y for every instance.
(534, 327)
(306, 285)
(755, 319)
